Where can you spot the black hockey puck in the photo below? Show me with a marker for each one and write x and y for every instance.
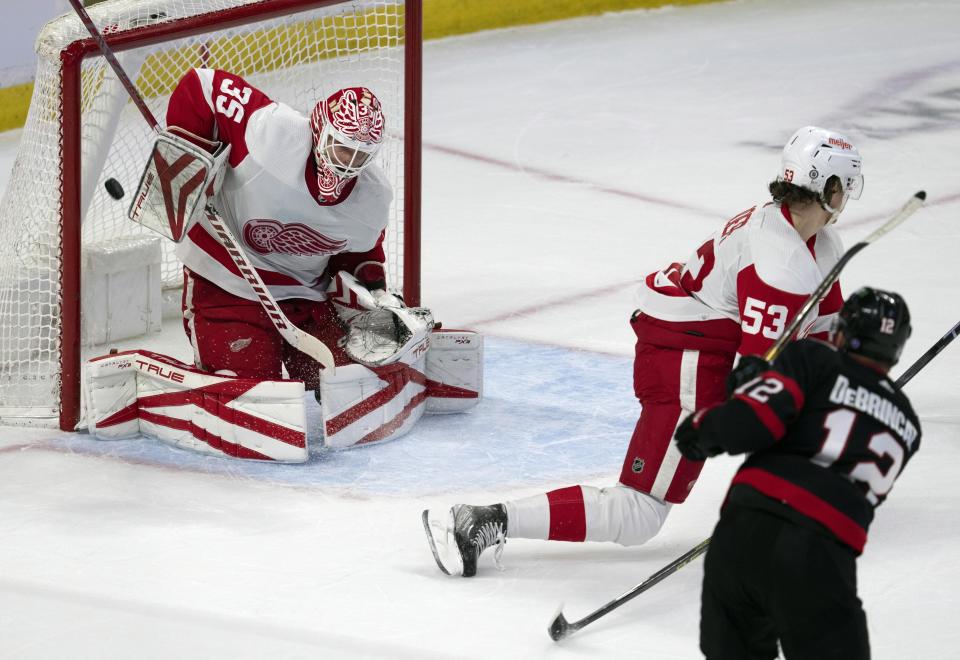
(114, 189)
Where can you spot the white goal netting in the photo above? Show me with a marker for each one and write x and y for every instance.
(298, 57)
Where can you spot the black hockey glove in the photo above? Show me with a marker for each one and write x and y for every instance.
(692, 442)
(749, 367)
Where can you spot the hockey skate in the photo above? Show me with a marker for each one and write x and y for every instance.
(459, 538)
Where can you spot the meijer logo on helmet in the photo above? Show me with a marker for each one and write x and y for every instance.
(838, 142)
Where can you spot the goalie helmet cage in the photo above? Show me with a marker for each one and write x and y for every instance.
(82, 129)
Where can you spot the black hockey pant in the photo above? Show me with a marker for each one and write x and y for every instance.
(768, 579)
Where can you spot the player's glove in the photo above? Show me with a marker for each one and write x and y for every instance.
(692, 443)
(749, 367)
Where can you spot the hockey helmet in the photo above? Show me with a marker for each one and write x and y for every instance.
(813, 155)
(347, 130)
(875, 324)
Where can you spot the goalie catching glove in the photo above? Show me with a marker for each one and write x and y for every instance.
(381, 331)
(389, 335)
(183, 172)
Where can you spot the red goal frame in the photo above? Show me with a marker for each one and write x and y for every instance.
(71, 59)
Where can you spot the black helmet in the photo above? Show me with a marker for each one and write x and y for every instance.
(875, 324)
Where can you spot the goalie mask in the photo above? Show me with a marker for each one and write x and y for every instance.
(813, 156)
(347, 132)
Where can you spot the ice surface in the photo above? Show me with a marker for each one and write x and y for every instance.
(562, 163)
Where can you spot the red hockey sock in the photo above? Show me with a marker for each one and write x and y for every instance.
(568, 519)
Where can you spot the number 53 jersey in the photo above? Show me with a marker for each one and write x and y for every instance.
(757, 272)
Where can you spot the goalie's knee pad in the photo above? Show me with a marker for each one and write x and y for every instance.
(363, 405)
(140, 393)
(454, 371)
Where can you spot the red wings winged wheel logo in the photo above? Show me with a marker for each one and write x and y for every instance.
(266, 236)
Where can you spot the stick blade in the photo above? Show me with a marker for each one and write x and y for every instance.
(559, 627)
(312, 346)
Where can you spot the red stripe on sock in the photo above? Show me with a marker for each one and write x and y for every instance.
(568, 516)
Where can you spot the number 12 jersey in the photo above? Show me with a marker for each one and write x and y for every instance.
(828, 436)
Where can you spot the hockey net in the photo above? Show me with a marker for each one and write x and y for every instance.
(82, 129)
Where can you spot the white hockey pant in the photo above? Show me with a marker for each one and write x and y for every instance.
(617, 514)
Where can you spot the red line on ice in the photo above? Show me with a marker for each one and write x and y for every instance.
(613, 287)
(563, 178)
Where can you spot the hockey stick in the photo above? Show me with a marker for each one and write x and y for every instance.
(560, 628)
(931, 353)
(300, 340)
(115, 64)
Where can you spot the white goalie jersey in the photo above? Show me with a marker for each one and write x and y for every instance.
(270, 197)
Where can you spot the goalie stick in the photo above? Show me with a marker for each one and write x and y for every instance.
(115, 65)
(560, 628)
(293, 335)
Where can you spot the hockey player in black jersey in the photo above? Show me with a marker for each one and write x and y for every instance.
(827, 433)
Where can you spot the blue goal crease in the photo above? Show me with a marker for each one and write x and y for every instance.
(548, 413)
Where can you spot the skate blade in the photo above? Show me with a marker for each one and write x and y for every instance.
(444, 550)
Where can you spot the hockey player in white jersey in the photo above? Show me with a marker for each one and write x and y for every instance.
(308, 204)
(734, 294)
(300, 193)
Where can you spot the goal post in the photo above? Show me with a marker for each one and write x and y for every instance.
(82, 130)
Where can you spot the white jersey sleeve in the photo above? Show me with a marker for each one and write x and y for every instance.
(755, 271)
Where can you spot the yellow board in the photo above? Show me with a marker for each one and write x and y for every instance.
(303, 42)
(14, 102)
(444, 18)
(441, 18)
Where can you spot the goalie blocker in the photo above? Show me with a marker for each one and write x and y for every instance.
(183, 172)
